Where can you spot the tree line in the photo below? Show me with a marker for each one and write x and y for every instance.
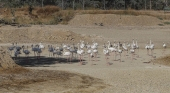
(90, 4)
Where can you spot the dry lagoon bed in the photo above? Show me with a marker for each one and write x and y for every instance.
(53, 75)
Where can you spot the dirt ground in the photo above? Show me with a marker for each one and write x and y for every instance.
(53, 74)
(36, 81)
(114, 20)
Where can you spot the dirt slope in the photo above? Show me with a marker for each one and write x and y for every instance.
(37, 34)
(114, 20)
(6, 62)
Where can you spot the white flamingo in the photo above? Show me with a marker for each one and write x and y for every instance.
(41, 46)
(106, 53)
(111, 49)
(133, 43)
(82, 45)
(119, 50)
(132, 51)
(89, 51)
(67, 54)
(151, 47)
(147, 48)
(137, 47)
(94, 50)
(64, 45)
(125, 48)
(164, 47)
(80, 53)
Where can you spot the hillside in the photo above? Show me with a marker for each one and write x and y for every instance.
(37, 33)
(114, 20)
(53, 15)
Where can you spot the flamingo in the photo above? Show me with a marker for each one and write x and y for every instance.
(89, 51)
(73, 51)
(80, 53)
(119, 50)
(133, 43)
(39, 51)
(106, 53)
(34, 48)
(125, 48)
(50, 50)
(147, 47)
(82, 45)
(94, 50)
(41, 45)
(112, 49)
(93, 54)
(26, 52)
(151, 47)
(137, 47)
(164, 47)
(16, 53)
(64, 45)
(57, 52)
(132, 51)
(18, 48)
(67, 54)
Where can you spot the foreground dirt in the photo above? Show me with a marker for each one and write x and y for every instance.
(44, 81)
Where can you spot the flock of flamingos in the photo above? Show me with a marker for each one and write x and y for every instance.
(79, 50)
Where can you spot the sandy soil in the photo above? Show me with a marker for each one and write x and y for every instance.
(114, 20)
(36, 81)
(139, 75)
